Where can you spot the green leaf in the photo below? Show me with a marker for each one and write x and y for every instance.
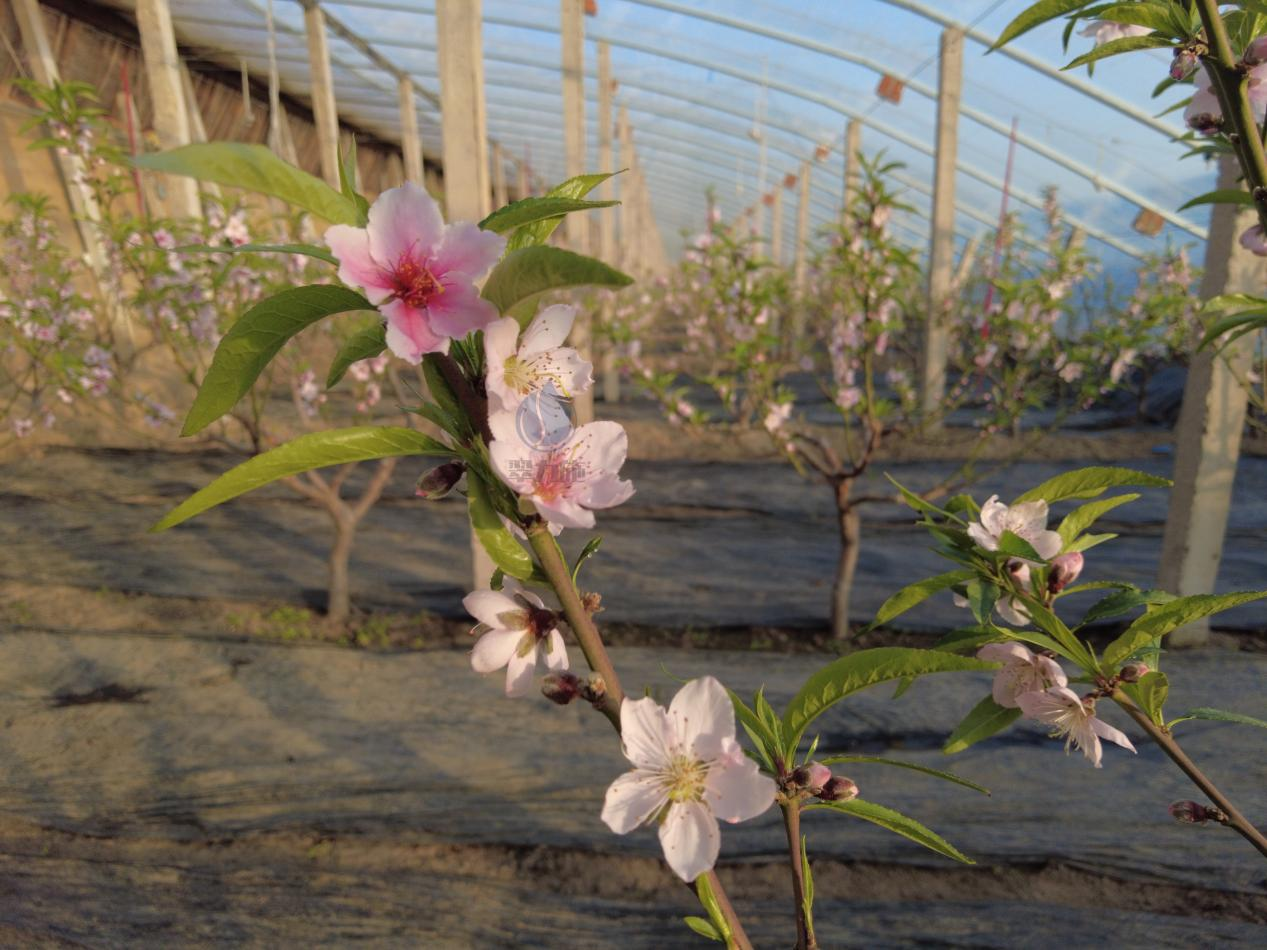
(1037, 15)
(254, 168)
(981, 599)
(347, 184)
(1218, 715)
(704, 891)
(1236, 324)
(1014, 545)
(523, 274)
(307, 250)
(587, 552)
(255, 339)
(1084, 516)
(1090, 482)
(857, 671)
(917, 593)
(967, 639)
(986, 718)
(896, 822)
(926, 508)
(507, 553)
(1150, 692)
(1169, 617)
(314, 450)
(1087, 541)
(439, 389)
(703, 928)
(1123, 602)
(879, 760)
(538, 232)
(528, 210)
(1127, 44)
(1223, 196)
(361, 345)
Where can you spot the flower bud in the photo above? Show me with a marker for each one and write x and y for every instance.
(812, 775)
(838, 789)
(592, 602)
(1185, 61)
(1254, 240)
(1135, 672)
(561, 688)
(1256, 52)
(1064, 570)
(440, 480)
(1192, 813)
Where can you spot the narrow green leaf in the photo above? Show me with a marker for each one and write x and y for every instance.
(254, 168)
(1084, 516)
(857, 671)
(1237, 324)
(255, 339)
(361, 345)
(1123, 602)
(314, 450)
(1223, 196)
(1016, 546)
(1218, 715)
(917, 593)
(981, 599)
(347, 184)
(1090, 482)
(986, 718)
(898, 763)
(306, 250)
(703, 928)
(1127, 44)
(538, 232)
(528, 210)
(507, 553)
(1170, 616)
(587, 552)
(896, 822)
(1151, 692)
(523, 274)
(1036, 15)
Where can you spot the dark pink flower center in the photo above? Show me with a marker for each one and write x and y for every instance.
(414, 283)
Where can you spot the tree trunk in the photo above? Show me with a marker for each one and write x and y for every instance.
(850, 541)
(338, 600)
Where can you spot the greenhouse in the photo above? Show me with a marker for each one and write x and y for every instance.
(633, 473)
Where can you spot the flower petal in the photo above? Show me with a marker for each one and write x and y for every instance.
(1005, 652)
(404, 222)
(737, 792)
(494, 650)
(556, 653)
(994, 516)
(549, 329)
(466, 250)
(409, 333)
(487, 606)
(520, 673)
(357, 267)
(703, 718)
(631, 800)
(1047, 544)
(565, 512)
(645, 734)
(690, 839)
(1107, 732)
(459, 310)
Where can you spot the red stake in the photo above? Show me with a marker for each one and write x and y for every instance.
(128, 106)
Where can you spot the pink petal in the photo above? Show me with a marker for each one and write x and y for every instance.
(520, 673)
(409, 335)
(404, 222)
(565, 512)
(606, 492)
(466, 250)
(1005, 652)
(557, 656)
(737, 792)
(513, 463)
(703, 717)
(690, 839)
(645, 734)
(357, 267)
(631, 800)
(548, 330)
(486, 606)
(500, 339)
(1051, 671)
(982, 537)
(1047, 544)
(459, 310)
(993, 515)
(604, 445)
(494, 649)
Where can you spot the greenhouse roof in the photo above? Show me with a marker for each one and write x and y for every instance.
(704, 81)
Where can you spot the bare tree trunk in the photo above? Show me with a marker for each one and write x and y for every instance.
(850, 541)
(338, 598)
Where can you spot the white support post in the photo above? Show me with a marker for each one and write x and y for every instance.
(629, 227)
(1208, 436)
(801, 271)
(171, 120)
(572, 37)
(776, 225)
(324, 110)
(941, 251)
(500, 197)
(853, 148)
(410, 140)
(607, 216)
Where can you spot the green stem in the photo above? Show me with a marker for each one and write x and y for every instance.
(591, 642)
(1163, 738)
(805, 939)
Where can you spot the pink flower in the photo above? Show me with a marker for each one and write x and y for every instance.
(1205, 115)
(1060, 707)
(1027, 521)
(1255, 241)
(517, 632)
(566, 481)
(1064, 570)
(517, 367)
(688, 772)
(778, 416)
(1023, 672)
(419, 272)
(1106, 31)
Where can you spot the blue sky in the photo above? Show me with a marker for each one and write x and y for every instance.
(686, 145)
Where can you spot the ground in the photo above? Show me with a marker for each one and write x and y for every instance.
(191, 758)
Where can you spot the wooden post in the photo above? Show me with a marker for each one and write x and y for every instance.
(43, 64)
(776, 225)
(853, 147)
(171, 120)
(324, 109)
(801, 272)
(410, 140)
(941, 251)
(1208, 436)
(629, 226)
(572, 37)
(461, 52)
(521, 179)
(607, 216)
(500, 197)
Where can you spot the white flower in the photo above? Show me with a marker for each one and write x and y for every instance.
(778, 416)
(1106, 31)
(688, 772)
(1027, 521)
(1060, 706)
(514, 372)
(1023, 672)
(517, 631)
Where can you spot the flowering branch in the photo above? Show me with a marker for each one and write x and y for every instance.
(805, 939)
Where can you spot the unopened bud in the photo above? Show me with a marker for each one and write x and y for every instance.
(838, 789)
(1135, 672)
(1185, 61)
(440, 480)
(593, 603)
(1256, 52)
(561, 688)
(1194, 813)
(1064, 570)
(811, 775)
(594, 690)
